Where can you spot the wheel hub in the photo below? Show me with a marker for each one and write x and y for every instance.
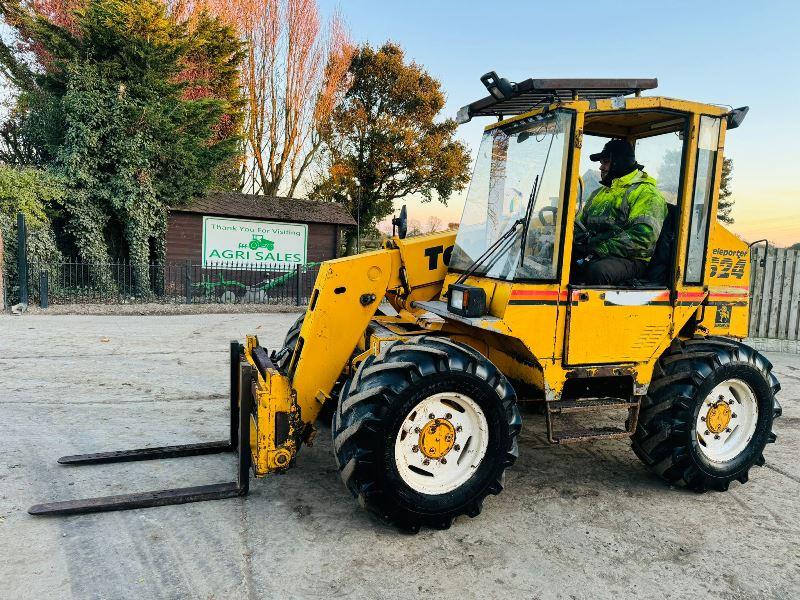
(437, 438)
(428, 457)
(718, 417)
(726, 421)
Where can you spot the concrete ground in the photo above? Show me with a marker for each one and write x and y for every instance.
(582, 521)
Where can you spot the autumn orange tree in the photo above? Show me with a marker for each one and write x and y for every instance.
(385, 142)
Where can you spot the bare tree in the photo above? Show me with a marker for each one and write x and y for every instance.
(293, 75)
(433, 224)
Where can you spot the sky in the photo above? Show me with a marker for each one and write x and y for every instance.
(734, 53)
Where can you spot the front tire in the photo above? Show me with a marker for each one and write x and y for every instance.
(282, 357)
(424, 432)
(708, 414)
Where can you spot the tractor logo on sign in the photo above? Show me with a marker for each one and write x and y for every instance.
(259, 241)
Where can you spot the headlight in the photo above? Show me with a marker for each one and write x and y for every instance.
(466, 300)
(457, 299)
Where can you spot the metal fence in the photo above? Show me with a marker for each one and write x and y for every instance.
(775, 294)
(75, 281)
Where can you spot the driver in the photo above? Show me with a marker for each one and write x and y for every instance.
(617, 229)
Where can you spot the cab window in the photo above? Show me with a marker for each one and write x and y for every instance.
(514, 200)
(707, 143)
(657, 137)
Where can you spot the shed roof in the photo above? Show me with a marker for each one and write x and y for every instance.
(273, 208)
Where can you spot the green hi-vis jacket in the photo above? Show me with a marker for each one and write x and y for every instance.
(625, 219)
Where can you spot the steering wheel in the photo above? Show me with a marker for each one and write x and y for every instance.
(544, 211)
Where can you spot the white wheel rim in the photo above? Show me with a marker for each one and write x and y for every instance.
(736, 402)
(468, 448)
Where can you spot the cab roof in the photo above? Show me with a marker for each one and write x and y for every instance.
(519, 98)
(510, 102)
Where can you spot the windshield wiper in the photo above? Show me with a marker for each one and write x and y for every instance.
(528, 214)
(489, 251)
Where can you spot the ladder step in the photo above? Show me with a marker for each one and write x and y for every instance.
(583, 435)
(573, 406)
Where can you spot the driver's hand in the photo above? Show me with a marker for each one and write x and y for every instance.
(580, 247)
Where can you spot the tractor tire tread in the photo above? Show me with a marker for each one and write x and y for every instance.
(667, 411)
(376, 385)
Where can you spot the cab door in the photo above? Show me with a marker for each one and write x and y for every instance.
(610, 325)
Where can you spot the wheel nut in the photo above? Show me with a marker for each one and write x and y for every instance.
(448, 416)
(416, 429)
(702, 418)
(431, 416)
(426, 462)
(457, 447)
(415, 448)
(706, 433)
(733, 415)
(721, 397)
(459, 428)
(727, 430)
(443, 460)
(716, 437)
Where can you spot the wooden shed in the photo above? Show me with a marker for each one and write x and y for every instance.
(268, 229)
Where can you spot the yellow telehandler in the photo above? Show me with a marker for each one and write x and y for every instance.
(424, 349)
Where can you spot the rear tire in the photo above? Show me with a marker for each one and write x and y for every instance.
(377, 422)
(708, 414)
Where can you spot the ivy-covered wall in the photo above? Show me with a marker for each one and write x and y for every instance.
(107, 115)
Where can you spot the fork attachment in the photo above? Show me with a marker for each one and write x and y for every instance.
(241, 402)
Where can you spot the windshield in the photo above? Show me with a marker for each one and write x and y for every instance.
(519, 170)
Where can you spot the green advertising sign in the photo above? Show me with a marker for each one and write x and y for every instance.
(253, 243)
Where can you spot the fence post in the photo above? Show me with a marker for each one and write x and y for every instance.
(22, 258)
(44, 301)
(188, 281)
(297, 287)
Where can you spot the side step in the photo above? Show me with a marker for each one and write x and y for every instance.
(597, 405)
(241, 406)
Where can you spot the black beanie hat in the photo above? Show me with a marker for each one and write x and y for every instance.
(622, 156)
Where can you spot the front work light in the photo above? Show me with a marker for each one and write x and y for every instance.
(466, 300)
(499, 87)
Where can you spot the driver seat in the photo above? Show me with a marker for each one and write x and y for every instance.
(658, 268)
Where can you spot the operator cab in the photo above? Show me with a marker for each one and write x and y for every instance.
(514, 207)
(533, 168)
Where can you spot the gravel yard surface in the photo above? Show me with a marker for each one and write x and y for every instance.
(581, 521)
